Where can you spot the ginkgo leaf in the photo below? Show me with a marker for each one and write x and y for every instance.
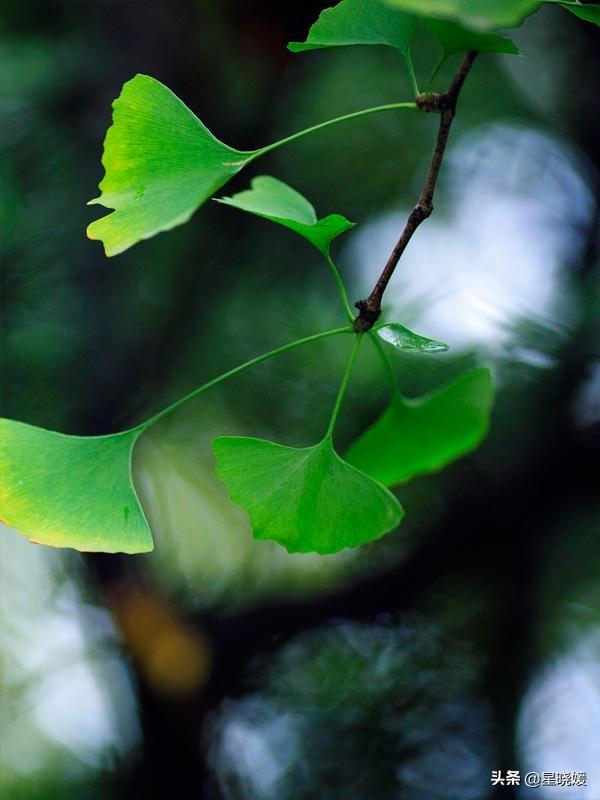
(161, 163)
(417, 436)
(402, 338)
(275, 200)
(307, 499)
(455, 38)
(71, 491)
(486, 14)
(483, 14)
(589, 12)
(359, 22)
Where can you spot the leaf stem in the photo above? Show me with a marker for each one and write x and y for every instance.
(342, 391)
(230, 373)
(411, 74)
(341, 288)
(354, 115)
(434, 72)
(387, 365)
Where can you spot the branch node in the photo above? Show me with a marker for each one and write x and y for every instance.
(368, 315)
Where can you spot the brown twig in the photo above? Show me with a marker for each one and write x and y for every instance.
(445, 105)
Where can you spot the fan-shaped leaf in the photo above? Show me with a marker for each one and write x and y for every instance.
(71, 491)
(455, 38)
(306, 499)
(359, 22)
(275, 200)
(486, 14)
(161, 163)
(416, 436)
(402, 338)
(483, 14)
(589, 12)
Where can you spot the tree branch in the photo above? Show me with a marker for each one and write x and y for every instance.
(445, 105)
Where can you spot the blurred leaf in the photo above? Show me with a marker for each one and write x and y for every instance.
(487, 14)
(274, 200)
(161, 163)
(590, 13)
(402, 338)
(359, 22)
(71, 491)
(472, 13)
(307, 499)
(455, 38)
(421, 435)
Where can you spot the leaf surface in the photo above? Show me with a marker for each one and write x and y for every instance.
(417, 436)
(486, 14)
(273, 199)
(307, 499)
(482, 14)
(71, 491)
(589, 12)
(161, 163)
(455, 38)
(359, 22)
(402, 338)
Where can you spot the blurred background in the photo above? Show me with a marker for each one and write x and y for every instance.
(226, 669)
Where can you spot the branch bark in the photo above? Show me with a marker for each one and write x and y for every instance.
(445, 105)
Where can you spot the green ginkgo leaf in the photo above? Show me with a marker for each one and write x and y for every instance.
(483, 14)
(275, 200)
(589, 12)
(71, 491)
(417, 436)
(402, 338)
(161, 163)
(455, 38)
(486, 14)
(307, 499)
(359, 22)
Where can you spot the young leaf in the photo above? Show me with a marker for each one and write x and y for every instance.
(359, 22)
(161, 163)
(274, 200)
(483, 14)
(402, 338)
(417, 436)
(455, 38)
(71, 491)
(307, 499)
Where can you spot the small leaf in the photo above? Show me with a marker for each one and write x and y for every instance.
(417, 436)
(589, 12)
(274, 200)
(402, 338)
(359, 22)
(161, 163)
(71, 491)
(455, 38)
(483, 14)
(307, 499)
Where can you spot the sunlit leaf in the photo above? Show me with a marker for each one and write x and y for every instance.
(71, 491)
(272, 199)
(455, 38)
(161, 163)
(359, 22)
(483, 14)
(306, 499)
(417, 436)
(402, 338)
